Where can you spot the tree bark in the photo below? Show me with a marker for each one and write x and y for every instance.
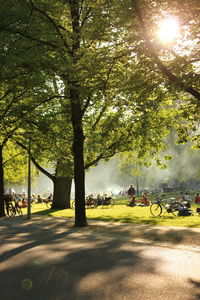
(61, 184)
(78, 153)
(2, 209)
(62, 192)
(76, 118)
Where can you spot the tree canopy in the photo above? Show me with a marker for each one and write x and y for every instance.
(93, 75)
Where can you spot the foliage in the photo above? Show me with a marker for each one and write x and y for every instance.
(92, 62)
(118, 107)
(16, 165)
(177, 61)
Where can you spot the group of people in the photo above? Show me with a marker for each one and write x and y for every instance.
(144, 200)
(21, 200)
(183, 197)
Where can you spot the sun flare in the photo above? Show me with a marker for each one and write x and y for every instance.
(168, 30)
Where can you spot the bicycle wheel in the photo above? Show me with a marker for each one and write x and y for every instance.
(47, 203)
(88, 205)
(176, 207)
(112, 202)
(73, 205)
(19, 211)
(11, 210)
(156, 209)
(94, 203)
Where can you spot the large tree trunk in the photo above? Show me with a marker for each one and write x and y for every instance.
(2, 210)
(78, 151)
(62, 192)
(76, 117)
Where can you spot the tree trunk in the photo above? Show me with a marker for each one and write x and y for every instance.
(2, 209)
(62, 192)
(78, 152)
(76, 118)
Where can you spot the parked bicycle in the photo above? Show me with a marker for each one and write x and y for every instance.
(47, 202)
(13, 209)
(90, 202)
(105, 201)
(169, 205)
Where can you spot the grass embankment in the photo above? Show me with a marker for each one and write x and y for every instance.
(122, 213)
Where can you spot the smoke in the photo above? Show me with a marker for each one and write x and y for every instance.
(181, 171)
(107, 177)
(43, 185)
(103, 178)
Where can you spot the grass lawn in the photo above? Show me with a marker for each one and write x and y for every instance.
(123, 213)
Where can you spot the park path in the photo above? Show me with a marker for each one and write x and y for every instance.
(47, 258)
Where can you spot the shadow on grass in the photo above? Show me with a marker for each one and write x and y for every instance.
(45, 212)
(130, 220)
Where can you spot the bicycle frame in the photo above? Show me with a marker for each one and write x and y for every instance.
(171, 206)
(13, 209)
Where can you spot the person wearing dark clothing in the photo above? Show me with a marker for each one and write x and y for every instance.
(131, 191)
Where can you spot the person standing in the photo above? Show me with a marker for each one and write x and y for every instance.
(131, 191)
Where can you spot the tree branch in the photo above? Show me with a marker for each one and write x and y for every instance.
(37, 165)
(101, 156)
(12, 30)
(53, 23)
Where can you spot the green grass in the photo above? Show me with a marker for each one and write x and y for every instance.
(122, 213)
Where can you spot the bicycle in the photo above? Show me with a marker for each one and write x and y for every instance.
(105, 201)
(13, 209)
(172, 206)
(47, 202)
(89, 203)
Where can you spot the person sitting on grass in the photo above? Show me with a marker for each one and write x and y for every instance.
(197, 198)
(24, 203)
(132, 201)
(39, 199)
(181, 197)
(144, 199)
(187, 200)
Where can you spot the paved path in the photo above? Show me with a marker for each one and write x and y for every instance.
(47, 258)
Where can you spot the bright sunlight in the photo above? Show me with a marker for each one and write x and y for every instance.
(169, 29)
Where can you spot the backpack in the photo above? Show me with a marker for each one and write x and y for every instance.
(184, 212)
